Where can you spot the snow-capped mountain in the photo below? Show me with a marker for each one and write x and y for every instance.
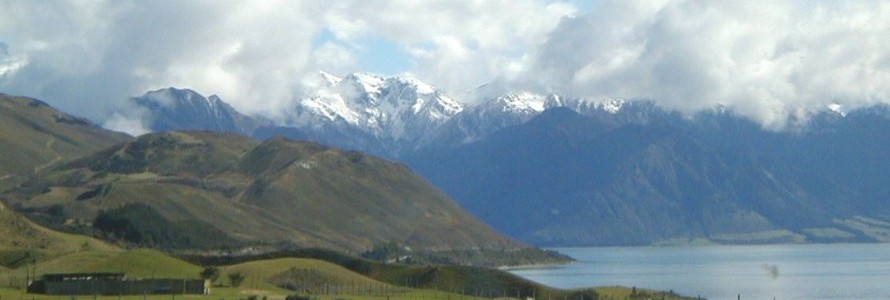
(387, 116)
(184, 109)
(396, 110)
(514, 108)
(604, 165)
(474, 123)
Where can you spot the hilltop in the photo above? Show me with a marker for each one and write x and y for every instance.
(35, 136)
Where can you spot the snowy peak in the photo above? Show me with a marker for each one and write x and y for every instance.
(367, 83)
(838, 109)
(531, 104)
(612, 106)
(392, 108)
(330, 79)
(419, 86)
(523, 102)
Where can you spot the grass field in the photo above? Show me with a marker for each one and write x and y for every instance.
(274, 279)
(263, 278)
(228, 293)
(320, 274)
(234, 294)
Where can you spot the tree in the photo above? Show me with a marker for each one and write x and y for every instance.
(210, 273)
(235, 278)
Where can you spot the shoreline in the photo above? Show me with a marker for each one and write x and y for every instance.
(534, 266)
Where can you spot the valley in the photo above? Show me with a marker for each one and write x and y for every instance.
(461, 149)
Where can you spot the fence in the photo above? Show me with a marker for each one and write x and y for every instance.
(122, 287)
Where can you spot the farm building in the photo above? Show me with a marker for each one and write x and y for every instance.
(114, 284)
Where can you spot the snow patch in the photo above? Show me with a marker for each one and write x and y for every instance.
(523, 102)
(330, 79)
(612, 106)
(837, 108)
(370, 83)
(419, 86)
(307, 165)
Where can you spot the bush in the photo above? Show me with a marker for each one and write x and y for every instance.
(142, 225)
(236, 278)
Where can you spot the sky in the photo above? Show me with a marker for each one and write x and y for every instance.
(766, 60)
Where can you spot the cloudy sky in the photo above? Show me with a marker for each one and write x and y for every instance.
(765, 59)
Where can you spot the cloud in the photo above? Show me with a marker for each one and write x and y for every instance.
(8, 63)
(765, 59)
(102, 53)
(133, 125)
(457, 45)
(254, 54)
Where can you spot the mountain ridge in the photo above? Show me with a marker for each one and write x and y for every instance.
(665, 180)
(36, 136)
(757, 181)
(256, 193)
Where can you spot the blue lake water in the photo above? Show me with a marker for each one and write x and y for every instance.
(835, 271)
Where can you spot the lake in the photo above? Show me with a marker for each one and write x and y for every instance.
(832, 271)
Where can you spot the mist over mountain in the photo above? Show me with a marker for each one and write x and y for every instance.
(182, 109)
(556, 170)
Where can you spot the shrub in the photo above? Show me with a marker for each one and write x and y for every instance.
(236, 278)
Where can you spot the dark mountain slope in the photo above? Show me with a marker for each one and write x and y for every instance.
(568, 179)
(184, 109)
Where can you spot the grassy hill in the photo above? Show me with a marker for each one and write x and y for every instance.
(465, 281)
(23, 242)
(203, 190)
(35, 136)
(322, 274)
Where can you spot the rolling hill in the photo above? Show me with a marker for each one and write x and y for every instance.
(34, 136)
(23, 242)
(203, 190)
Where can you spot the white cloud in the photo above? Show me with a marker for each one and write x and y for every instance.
(456, 45)
(766, 59)
(101, 53)
(334, 57)
(252, 53)
(8, 63)
(134, 126)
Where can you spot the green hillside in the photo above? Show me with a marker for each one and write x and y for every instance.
(23, 242)
(446, 279)
(322, 274)
(203, 190)
(35, 136)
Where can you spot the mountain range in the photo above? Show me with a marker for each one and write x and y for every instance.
(212, 191)
(556, 170)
